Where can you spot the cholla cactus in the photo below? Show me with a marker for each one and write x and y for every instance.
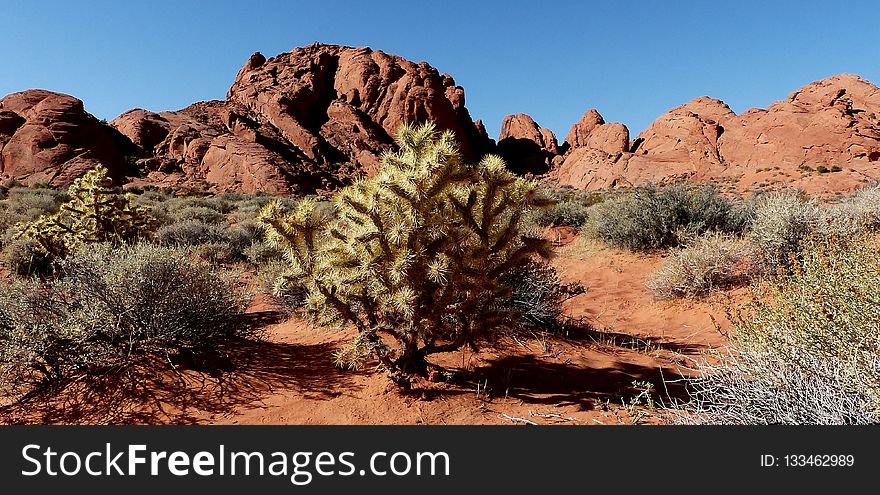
(95, 213)
(416, 252)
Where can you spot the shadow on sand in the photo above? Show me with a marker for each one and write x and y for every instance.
(189, 388)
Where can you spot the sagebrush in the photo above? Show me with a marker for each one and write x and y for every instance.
(713, 261)
(113, 305)
(651, 218)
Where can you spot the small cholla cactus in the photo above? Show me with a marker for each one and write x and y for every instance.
(417, 252)
(95, 213)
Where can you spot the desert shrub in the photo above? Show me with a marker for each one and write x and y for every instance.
(216, 252)
(157, 296)
(417, 252)
(37, 345)
(807, 354)
(24, 258)
(854, 215)
(23, 205)
(571, 208)
(653, 218)
(783, 223)
(260, 253)
(94, 214)
(114, 304)
(201, 213)
(23, 199)
(250, 232)
(287, 295)
(710, 262)
(741, 215)
(218, 243)
(191, 233)
(536, 296)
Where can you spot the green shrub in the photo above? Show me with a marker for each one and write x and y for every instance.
(783, 222)
(571, 208)
(822, 169)
(710, 262)
(417, 253)
(654, 218)
(807, 354)
(113, 305)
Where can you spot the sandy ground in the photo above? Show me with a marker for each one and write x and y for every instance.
(586, 377)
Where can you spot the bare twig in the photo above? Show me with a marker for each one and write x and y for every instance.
(550, 415)
(520, 420)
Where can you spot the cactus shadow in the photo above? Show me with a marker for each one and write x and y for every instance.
(533, 380)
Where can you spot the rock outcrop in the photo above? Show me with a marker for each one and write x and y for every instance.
(48, 137)
(526, 146)
(831, 124)
(317, 117)
(301, 122)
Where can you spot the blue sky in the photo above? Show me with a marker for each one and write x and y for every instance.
(553, 60)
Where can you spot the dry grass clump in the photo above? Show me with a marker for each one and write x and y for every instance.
(711, 262)
(856, 214)
(782, 223)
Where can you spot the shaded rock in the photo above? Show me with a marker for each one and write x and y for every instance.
(527, 147)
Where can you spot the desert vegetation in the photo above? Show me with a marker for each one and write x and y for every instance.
(808, 354)
(419, 252)
(436, 256)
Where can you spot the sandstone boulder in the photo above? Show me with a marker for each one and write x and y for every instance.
(831, 124)
(527, 147)
(49, 137)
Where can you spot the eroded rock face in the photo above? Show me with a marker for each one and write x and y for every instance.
(49, 137)
(303, 121)
(829, 124)
(580, 131)
(526, 146)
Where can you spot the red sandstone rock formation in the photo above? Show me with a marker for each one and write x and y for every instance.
(301, 122)
(527, 147)
(831, 123)
(49, 137)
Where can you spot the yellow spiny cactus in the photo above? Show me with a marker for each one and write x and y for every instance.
(416, 252)
(95, 213)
